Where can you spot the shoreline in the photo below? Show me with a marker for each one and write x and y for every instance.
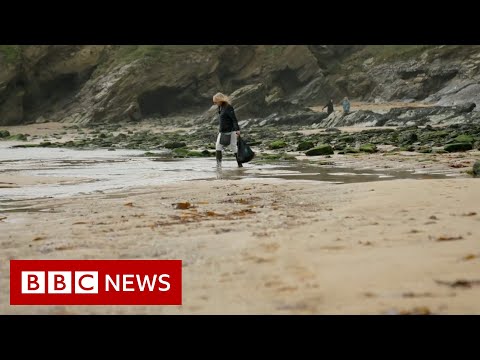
(272, 246)
(268, 247)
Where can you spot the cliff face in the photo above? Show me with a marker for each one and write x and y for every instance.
(100, 83)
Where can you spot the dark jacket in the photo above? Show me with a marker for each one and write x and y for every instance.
(329, 107)
(227, 119)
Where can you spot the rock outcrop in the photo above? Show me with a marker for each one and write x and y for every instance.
(89, 84)
(405, 116)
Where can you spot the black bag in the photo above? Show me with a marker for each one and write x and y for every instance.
(225, 138)
(245, 153)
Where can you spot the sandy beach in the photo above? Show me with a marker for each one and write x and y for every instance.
(362, 197)
(270, 246)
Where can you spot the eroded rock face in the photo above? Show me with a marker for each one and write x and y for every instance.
(43, 79)
(102, 83)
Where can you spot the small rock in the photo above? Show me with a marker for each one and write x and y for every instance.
(476, 168)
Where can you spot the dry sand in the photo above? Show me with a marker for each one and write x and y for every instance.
(375, 107)
(274, 247)
(271, 247)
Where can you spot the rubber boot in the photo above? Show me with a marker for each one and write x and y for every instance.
(238, 162)
(218, 154)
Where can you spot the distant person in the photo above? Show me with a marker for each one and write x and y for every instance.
(346, 105)
(329, 107)
(228, 128)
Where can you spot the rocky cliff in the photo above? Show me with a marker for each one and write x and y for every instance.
(107, 84)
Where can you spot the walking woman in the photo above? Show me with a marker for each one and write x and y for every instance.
(228, 128)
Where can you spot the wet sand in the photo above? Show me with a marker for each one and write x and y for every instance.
(269, 246)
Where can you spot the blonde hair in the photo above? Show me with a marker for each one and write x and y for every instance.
(221, 97)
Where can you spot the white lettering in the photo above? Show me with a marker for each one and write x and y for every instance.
(146, 280)
(160, 280)
(146, 283)
(115, 284)
(127, 282)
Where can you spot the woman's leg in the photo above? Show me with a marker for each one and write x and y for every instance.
(218, 152)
